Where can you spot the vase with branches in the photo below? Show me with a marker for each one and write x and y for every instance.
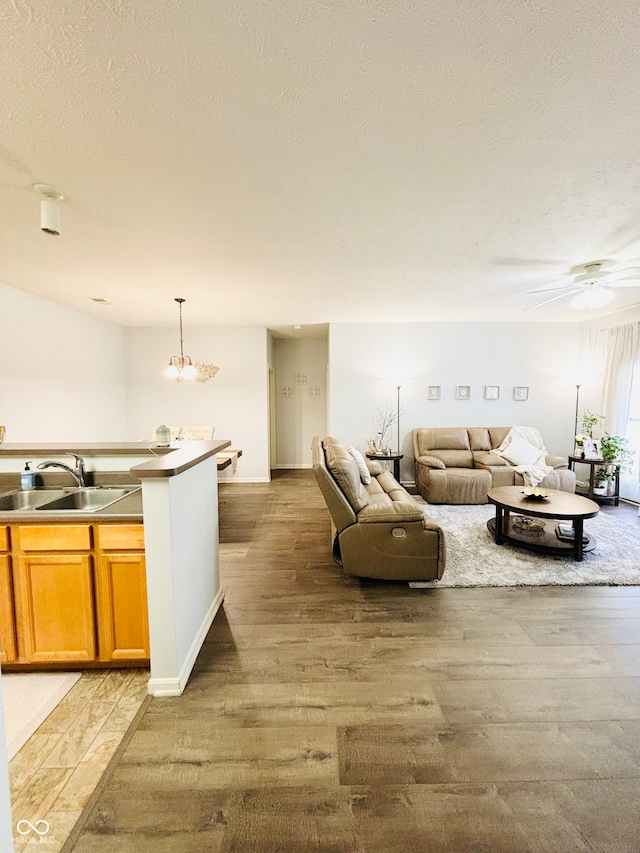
(385, 419)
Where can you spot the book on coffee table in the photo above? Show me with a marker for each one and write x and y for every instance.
(565, 532)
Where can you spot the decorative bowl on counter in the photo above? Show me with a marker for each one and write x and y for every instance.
(536, 494)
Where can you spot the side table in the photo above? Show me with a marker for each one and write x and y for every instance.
(593, 464)
(389, 457)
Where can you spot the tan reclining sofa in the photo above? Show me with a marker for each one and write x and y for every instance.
(454, 465)
(380, 530)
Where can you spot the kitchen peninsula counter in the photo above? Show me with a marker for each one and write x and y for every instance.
(169, 525)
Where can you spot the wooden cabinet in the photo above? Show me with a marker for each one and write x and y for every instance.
(121, 593)
(54, 598)
(8, 649)
(73, 594)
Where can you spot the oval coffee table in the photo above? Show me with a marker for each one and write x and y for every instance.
(559, 505)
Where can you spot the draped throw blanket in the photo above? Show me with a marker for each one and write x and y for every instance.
(524, 449)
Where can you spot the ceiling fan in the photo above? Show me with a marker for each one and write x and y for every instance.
(592, 285)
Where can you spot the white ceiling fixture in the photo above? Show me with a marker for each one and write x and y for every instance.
(49, 208)
(180, 366)
(592, 284)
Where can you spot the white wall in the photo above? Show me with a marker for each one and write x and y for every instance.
(235, 401)
(300, 365)
(368, 360)
(61, 372)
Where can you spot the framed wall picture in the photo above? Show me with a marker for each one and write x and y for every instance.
(463, 392)
(491, 392)
(433, 392)
(521, 392)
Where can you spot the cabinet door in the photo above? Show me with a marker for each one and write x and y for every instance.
(7, 622)
(123, 621)
(56, 610)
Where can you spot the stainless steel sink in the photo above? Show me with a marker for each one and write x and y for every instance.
(88, 500)
(29, 499)
(80, 500)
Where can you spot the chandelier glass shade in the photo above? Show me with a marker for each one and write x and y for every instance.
(180, 366)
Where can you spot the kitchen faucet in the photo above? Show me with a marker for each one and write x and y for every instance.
(78, 473)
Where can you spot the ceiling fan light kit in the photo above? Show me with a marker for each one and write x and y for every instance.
(593, 296)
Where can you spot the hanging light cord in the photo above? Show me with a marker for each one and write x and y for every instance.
(180, 301)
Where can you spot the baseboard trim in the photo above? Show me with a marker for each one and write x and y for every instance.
(175, 686)
(293, 466)
(231, 480)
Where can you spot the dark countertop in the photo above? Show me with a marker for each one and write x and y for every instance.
(169, 461)
(84, 448)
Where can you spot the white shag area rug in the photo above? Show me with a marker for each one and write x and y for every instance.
(473, 558)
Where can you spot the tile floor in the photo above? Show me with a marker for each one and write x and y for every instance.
(58, 768)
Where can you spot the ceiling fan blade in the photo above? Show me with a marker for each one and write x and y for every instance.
(528, 262)
(553, 298)
(623, 275)
(551, 289)
(628, 281)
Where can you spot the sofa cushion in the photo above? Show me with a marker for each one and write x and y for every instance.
(388, 482)
(497, 435)
(365, 475)
(458, 486)
(344, 470)
(454, 458)
(374, 488)
(520, 452)
(443, 438)
(479, 438)
(488, 460)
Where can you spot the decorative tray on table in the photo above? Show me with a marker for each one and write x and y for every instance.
(536, 494)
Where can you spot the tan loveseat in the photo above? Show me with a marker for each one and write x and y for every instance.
(454, 465)
(380, 530)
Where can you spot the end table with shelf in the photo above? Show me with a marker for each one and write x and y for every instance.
(389, 457)
(593, 464)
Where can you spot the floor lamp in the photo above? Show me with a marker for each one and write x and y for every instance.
(575, 429)
(398, 416)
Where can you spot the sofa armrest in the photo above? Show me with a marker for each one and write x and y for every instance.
(557, 461)
(431, 461)
(391, 513)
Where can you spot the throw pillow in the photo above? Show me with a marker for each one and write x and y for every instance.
(365, 476)
(520, 452)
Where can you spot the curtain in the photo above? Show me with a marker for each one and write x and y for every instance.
(622, 356)
(621, 394)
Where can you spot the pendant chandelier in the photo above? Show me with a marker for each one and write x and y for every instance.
(180, 366)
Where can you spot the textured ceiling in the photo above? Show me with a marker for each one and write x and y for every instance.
(305, 161)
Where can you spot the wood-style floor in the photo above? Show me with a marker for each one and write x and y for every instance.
(331, 714)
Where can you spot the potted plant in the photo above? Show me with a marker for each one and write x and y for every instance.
(615, 448)
(589, 421)
(600, 480)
